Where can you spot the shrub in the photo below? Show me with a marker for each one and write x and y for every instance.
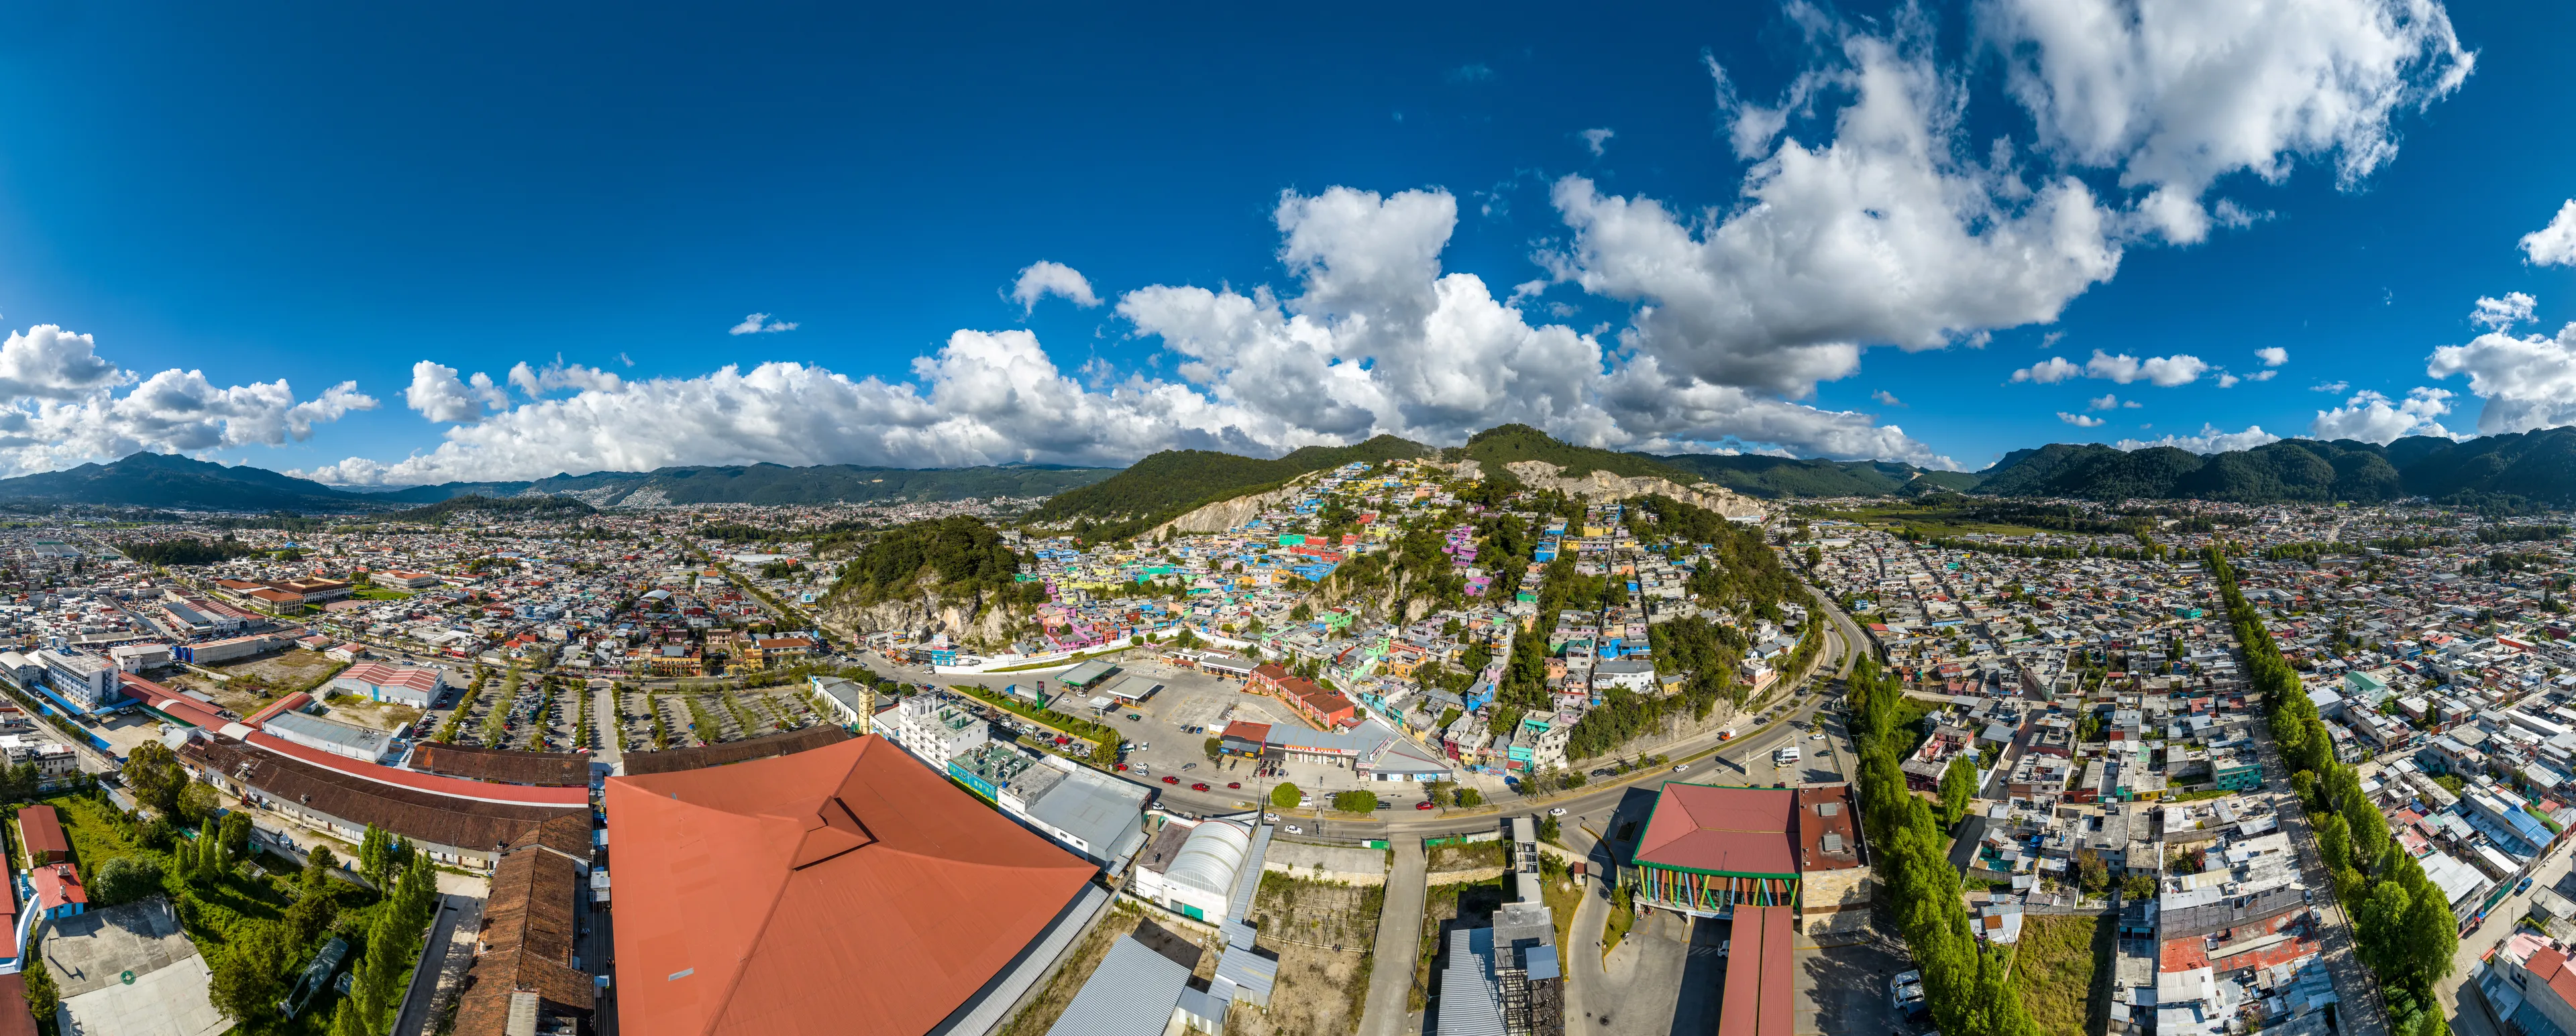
(1285, 796)
(1355, 801)
(125, 879)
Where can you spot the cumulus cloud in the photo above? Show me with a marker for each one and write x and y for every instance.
(59, 406)
(760, 324)
(1885, 398)
(2527, 381)
(2374, 418)
(1043, 278)
(2555, 244)
(2226, 380)
(2079, 420)
(2502, 314)
(47, 362)
(2210, 440)
(2176, 96)
(439, 395)
(1596, 138)
(2272, 355)
(2330, 386)
(2161, 371)
(2110, 401)
(1376, 339)
(2049, 372)
(2262, 375)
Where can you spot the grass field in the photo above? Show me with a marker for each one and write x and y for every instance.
(2060, 963)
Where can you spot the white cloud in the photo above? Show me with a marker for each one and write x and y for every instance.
(1043, 278)
(556, 376)
(47, 362)
(59, 407)
(1377, 339)
(2555, 244)
(2330, 386)
(2262, 375)
(1885, 397)
(2371, 417)
(1595, 138)
(437, 394)
(2226, 380)
(2160, 371)
(2106, 401)
(2505, 313)
(2049, 372)
(2210, 440)
(2079, 420)
(2527, 382)
(2176, 96)
(759, 323)
(2272, 355)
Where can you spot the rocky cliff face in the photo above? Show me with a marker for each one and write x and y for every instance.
(966, 620)
(1226, 514)
(1602, 486)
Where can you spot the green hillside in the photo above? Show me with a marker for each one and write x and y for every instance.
(2511, 470)
(1777, 477)
(1172, 483)
(1506, 444)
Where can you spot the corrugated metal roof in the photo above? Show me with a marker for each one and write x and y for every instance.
(1469, 1003)
(1247, 883)
(1212, 858)
(1132, 994)
(1249, 971)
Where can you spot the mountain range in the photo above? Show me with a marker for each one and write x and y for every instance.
(2529, 468)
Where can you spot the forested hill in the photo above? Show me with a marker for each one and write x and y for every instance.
(166, 480)
(2514, 469)
(1171, 483)
(1495, 448)
(1775, 477)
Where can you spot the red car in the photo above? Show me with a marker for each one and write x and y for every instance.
(1237, 785)
(1198, 787)
(1122, 768)
(1171, 780)
(1422, 805)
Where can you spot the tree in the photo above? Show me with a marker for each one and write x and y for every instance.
(1470, 797)
(197, 803)
(1104, 753)
(1214, 747)
(153, 774)
(1443, 793)
(42, 994)
(237, 833)
(2138, 888)
(375, 862)
(1549, 829)
(1355, 801)
(318, 865)
(313, 914)
(124, 879)
(1958, 789)
(2091, 874)
(1286, 796)
(246, 984)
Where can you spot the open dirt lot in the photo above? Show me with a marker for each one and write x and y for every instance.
(257, 681)
(1324, 933)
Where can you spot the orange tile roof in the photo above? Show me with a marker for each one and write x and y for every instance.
(845, 889)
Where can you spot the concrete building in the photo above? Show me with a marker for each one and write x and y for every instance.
(86, 681)
(936, 730)
(364, 744)
(848, 702)
(1192, 868)
(416, 686)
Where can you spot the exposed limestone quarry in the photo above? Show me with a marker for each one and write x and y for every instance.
(1602, 486)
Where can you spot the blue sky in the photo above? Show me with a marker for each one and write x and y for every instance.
(398, 201)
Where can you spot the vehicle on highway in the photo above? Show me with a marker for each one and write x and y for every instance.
(1818, 737)
(1296, 830)
(1171, 780)
(1133, 715)
(1199, 787)
(1237, 785)
(1424, 804)
(1679, 767)
(1557, 812)
(2522, 886)
(1269, 816)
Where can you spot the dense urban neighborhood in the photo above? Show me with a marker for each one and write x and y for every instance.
(1597, 752)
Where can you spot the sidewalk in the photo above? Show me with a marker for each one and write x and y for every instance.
(1399, 940)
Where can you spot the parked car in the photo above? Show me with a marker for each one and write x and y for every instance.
(1122, 768)
(1557, 812)
(1171, 780)
(1905, 994)
(2522, 886)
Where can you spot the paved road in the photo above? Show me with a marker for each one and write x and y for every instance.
(1399, 940)
(2363, 1014)
(443, 962)
(2468, 1017)
(604, 714)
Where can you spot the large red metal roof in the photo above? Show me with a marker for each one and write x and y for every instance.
(1726, 830)
(843, 889)
(1761, 970)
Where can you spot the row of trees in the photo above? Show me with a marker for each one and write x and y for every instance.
(2403, 928)
(1969, 987)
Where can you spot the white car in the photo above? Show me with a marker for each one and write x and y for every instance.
(1679, 767)
(1269, 816)
(1557, 812)
(1296, 830)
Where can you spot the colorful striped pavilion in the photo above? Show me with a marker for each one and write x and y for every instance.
(1708, 850)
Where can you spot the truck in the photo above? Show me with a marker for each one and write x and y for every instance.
(1785, 756)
